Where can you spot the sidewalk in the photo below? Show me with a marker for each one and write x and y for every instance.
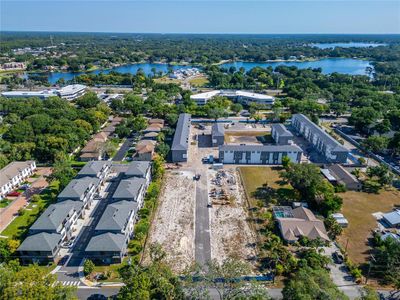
(8, 214)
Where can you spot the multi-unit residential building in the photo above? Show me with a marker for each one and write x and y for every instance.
(180, 144)
(14, 174)
(330, 148)
(244, 97)
(132, 189)
(281, 135)
(139, 169)
(55, 225)
(81, 189)
(98, 169)
(113, 232)
(217, 134)
(258, 154)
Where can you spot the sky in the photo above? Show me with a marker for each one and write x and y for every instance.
(190, 16)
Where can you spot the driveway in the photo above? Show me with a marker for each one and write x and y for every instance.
(122, 151)
(8, 213)
(340, 275)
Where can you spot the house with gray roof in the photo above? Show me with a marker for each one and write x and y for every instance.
(58, 218)
(96, 168)
(217, 134)
(118, 217)
(258, 154)
(81, 189)
(14, 174)
(41, 247)
(281, 135)
(180, 143)
(139, 169)
(132, 189)
(107, 247)
(325, 144)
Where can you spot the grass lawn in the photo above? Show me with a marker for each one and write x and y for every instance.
(358, 208)
(5, 202)
(166, 79)
(114, 276)
(20, 225)
(198, 81)
(255, 177)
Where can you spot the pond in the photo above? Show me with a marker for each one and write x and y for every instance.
(346, 45)
(328, 65)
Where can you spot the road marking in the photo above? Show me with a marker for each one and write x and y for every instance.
(69, 283)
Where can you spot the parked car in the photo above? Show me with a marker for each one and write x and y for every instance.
(337, 258)
(14, 194)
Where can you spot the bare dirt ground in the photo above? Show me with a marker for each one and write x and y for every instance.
(173, 225)
(231, 235)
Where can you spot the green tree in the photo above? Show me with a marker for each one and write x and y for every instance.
(89, 100)
(375, 144)
(62, 171)
(333, 228)
(88, 267)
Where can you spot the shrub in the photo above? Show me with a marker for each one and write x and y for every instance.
(21, 211)
(88, 267)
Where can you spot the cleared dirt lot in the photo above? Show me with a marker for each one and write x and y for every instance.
(173, 225)
(231, 235)
(358, 208)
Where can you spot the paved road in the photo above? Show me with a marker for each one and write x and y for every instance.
(96, 293)
(202, 222)
(122, 151)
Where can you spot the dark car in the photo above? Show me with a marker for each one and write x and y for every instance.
(337, 258)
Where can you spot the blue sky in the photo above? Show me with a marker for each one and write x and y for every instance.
(264, 16)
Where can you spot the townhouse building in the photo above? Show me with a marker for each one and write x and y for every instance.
(180, 143)
(132, 189)
(322, 142)
(14, 174)
(81, 189)
(217, 134)
(96, 169)
(281, 135)
(258, 154)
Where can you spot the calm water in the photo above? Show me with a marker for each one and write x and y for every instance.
(346, 45)
(329, 65)
(132, 68)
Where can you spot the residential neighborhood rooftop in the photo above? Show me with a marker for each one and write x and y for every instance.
(13, 169)
(92, 168)
(116, 215)
(281, 130)
(77, 187)
(129, 188)
(106, 242)
(42, 241)
(181, 137)
(138, 169)
(266, 148)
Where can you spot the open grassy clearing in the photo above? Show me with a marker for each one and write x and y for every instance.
(198, 81)
(358, 208)
(20, 225)
(166, 79)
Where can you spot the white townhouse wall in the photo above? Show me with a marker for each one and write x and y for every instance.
(239, 96)
(321, 140)
(14, 174)
(258, 154)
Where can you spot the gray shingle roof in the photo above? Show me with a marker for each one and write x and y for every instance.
(93, 167)
(40, 242)
(181, 137)
(129, 188)
(281, 130)
(137, 169)
(55, 214)
(76, 188)
(106, 242)
(217, 129)
(264, 148)
(116, 215)
(324, 136)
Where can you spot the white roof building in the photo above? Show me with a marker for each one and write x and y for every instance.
(240, 96)
(69, 92)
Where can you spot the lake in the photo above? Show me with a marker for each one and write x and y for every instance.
(346, 45)
(328, 65)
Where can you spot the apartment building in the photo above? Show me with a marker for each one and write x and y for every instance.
(281, 135)
(81, 189)
(113, 232)
(326, 145)
(217, 134)
(40, 248)
(97, 169)
(244, 97)
(180, 144)
(258, 154)
(14, 174)
(139, 169)
(132, 189)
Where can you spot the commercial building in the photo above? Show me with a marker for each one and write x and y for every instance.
(180, 144)
(298, 222)
(14, 174)
(69, 92)
(244, 97)
(330, 148)
(258, 154)
(217, 134)
(281, 135)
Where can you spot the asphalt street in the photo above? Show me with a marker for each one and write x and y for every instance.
(119, 156)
